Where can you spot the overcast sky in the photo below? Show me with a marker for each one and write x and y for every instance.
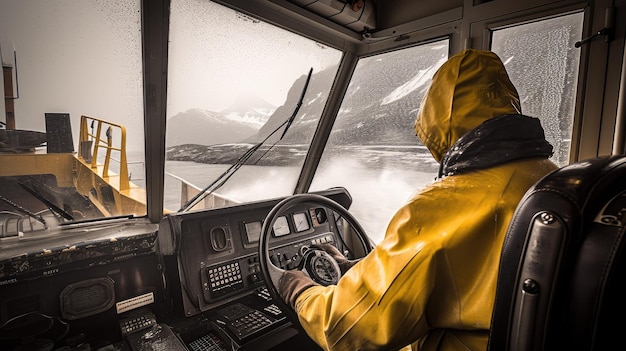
(75, 56)
(222, 54)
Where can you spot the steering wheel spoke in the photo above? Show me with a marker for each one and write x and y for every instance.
(274, 272)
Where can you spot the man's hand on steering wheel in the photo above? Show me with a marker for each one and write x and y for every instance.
(319, 266)
(344, 263)
(291, 284)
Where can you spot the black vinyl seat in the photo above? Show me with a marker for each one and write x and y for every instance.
(562, 274)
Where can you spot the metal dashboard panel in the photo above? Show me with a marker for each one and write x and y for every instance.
(215, 252)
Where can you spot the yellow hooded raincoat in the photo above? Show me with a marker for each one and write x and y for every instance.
(431, 281)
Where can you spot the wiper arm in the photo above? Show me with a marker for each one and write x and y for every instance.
(223, 178)
(22, 210)
(51, 206)
(298, 105)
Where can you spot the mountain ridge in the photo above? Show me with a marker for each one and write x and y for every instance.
(373, 112)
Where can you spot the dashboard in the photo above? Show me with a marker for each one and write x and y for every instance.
(213, 269)
(192, 282)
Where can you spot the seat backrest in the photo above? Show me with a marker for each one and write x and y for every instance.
(562, 275)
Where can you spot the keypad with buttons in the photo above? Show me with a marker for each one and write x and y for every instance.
(223, 279)
(137, 322)
(250, 323)
(243, 320)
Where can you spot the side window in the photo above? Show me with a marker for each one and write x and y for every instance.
(372, 150)
(543, 64)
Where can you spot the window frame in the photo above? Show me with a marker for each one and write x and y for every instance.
(589, 131)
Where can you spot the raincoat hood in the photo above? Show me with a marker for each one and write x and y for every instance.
(467, 90)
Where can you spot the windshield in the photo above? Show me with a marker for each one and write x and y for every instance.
(71, 147)
(372, 150)
(234, 83)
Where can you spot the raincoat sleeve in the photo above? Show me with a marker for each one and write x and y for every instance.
(385, 292)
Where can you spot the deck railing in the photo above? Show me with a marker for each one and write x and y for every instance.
(96, 134)
(213, 200)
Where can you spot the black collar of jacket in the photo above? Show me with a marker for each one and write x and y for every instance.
(496, 141)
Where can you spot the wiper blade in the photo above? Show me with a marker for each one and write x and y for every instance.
(298, 105)
(51, 206)
(22, 210)
(224, 177)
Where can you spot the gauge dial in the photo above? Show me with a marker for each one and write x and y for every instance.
(301, 221)
(281, 226)
(253, 231)
(319, 216)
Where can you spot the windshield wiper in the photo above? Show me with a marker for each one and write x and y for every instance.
(22, 210)
(223, 178)
(295, 111)
(51, 206)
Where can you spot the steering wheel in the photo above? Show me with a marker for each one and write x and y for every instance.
(316, 263)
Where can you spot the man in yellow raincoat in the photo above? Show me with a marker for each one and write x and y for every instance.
(431, 282)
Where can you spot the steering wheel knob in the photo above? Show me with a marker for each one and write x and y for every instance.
(321, 267)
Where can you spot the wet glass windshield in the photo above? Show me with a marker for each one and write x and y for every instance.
(71, 146)
(372, 150)
(234, 84)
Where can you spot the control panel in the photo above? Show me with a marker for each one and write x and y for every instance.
(216, 256)
(217, 252)
(248, 317)
(230, 277)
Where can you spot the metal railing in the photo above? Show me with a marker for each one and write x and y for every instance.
(96, 134)
(213, 200)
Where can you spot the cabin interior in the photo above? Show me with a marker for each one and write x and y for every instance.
(195, 279)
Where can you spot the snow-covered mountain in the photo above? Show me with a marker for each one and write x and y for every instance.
(202, 127)
(386, 101)
(249, 109)
(237, 122)
(378, 110)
